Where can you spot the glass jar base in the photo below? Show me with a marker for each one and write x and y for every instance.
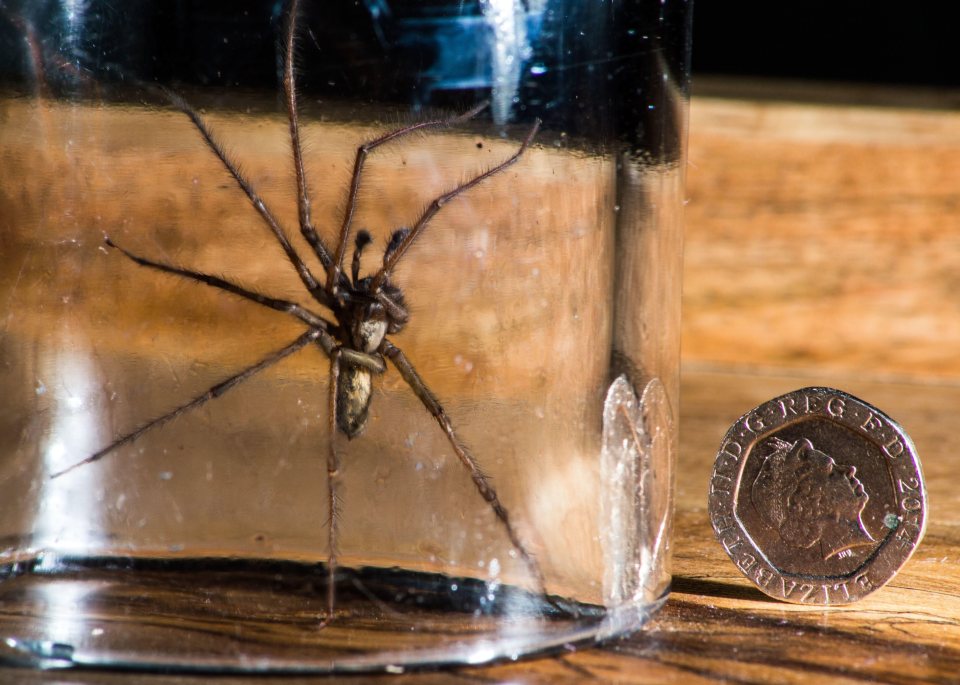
(257, 616)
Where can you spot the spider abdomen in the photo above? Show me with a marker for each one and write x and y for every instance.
(354, 386)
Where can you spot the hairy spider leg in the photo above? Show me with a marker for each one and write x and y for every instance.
(308, 317)
(362, 151)
(480, 479)
(303, 199)
(390, 261)
(306, 276)
(333, 480)
(213, 392)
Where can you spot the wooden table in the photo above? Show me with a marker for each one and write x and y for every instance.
(821, 249)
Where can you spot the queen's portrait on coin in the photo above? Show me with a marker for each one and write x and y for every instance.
(810, 500)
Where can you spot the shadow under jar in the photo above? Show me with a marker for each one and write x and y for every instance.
(185, 368)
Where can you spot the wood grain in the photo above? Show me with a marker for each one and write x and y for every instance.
(823, 237)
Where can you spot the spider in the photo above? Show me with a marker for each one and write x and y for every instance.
(363, 311)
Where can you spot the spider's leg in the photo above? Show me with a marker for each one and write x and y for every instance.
(393, 304)
(333, 477)
(293, 308)
(333, 273)
(302, 269)
(214, 392)
(290, 91)
(371, 362)
(480, 480)
(391, 260)
(397, 311)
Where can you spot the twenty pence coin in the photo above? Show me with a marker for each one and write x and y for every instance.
(818, 497)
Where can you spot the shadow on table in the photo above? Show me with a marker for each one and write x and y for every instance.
(712, 588)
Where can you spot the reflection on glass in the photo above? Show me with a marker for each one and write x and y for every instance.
(69, 510)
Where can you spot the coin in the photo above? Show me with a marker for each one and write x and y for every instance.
(818, 497)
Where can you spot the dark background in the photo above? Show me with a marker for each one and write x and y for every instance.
(869, 41)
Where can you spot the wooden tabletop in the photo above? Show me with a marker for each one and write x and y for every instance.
(821, 250)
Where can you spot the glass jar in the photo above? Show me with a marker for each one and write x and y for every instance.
(224, 448)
